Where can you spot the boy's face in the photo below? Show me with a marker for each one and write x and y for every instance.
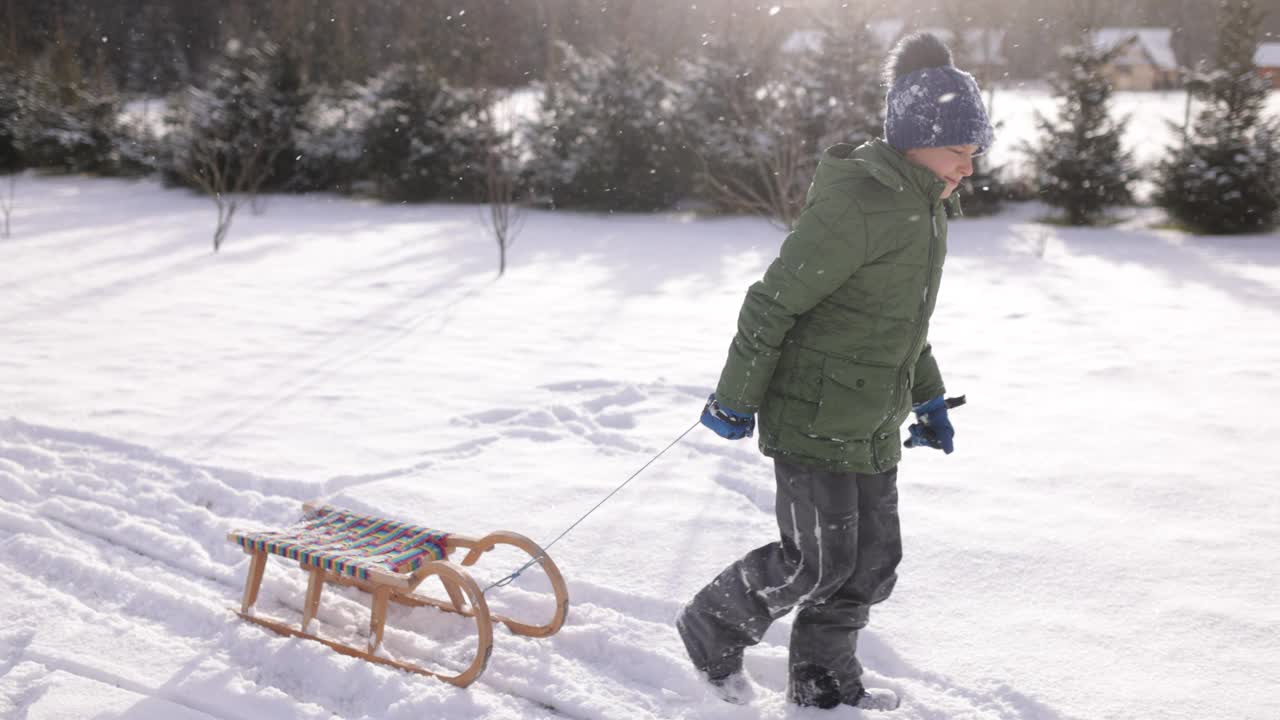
(951, 163)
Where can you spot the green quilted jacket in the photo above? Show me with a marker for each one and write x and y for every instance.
(832, 344)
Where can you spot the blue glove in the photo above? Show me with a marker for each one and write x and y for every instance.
(725, 422)
(934, 429)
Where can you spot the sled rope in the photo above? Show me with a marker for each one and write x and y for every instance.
(511, 578)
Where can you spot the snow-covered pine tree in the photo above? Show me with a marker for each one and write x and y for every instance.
(606, 137)
(59, 121)
(51, 117)
(11, 87)
(983, 192)
(757, 124)
(721, 120)
(1226, 177)
(1079, 163)
(10, 144)
(235, 136)
(425, 140)
(837, 82)
(330, 140)
(79, 136)
(243, 121)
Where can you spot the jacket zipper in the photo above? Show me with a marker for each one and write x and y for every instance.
(902, 369)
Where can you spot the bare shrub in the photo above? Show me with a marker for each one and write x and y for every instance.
(503, 215)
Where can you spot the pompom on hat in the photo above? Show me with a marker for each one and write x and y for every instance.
(932, 103)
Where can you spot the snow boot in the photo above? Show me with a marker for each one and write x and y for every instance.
(734, 688)
(725, 674)
(874, 699)
(815, 686)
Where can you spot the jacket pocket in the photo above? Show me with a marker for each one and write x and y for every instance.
(854, 400)
(798, 374)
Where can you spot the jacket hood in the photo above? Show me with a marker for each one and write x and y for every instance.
(879, 160)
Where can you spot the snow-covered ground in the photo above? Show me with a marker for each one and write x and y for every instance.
(1103, 543)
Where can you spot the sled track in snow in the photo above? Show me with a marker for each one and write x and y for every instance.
(99, 518)
(119, 681)
(125, 548)
(339, 349)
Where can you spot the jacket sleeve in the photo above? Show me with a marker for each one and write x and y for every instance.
(928, 379)
(828, 244)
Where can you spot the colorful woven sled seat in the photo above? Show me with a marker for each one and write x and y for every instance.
(389, 559)
(348, 544)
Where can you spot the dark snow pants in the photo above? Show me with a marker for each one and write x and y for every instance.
(838, 554)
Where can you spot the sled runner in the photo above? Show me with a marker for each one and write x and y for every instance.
(389, 560)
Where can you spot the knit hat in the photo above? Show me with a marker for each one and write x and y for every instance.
(931, 103)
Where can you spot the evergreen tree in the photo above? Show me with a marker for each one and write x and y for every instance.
(606, 139)
(244, 120)
(425, 140)
(837, 83)
(983, 192)
(721, 118)
(1080, 166)
(236, 136)
(11, 160)
(10, 105)
(62, 126)
(330, 140)
(56, 121)
(1225, 178)
(758, 124)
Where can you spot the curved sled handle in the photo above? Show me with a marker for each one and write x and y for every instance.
(507, 537)
(455, 580)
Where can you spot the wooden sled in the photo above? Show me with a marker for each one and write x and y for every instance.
(389, 560)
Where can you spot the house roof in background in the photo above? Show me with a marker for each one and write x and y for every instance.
(987, 44)
(1268, 55)
(1155, 41)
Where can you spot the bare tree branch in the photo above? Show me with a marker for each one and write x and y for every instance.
(226, 172)
(504, 216)
(780, 159)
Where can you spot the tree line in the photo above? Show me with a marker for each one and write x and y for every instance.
(157, 46)
(611, 130)
(735, 124)
(1222, 177)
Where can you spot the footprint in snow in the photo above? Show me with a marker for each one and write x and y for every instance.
(604, 413)
(626, 396)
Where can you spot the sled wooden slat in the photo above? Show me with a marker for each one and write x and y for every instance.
(461, 680)
(389, 559)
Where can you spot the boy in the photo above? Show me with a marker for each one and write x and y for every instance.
(832, 351)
